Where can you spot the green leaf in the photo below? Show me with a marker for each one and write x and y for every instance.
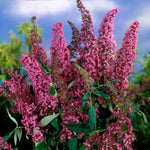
(101, 94)
(19, 133)
(134, 122)
(72, 144)
(46, 120)
(78, 127)
(15, 138)
(41, 146)
(52, 90)
(114, 80)
(95, 84)
(96, 105)
(12, 118)
(8, 137)
(82, 148)
(143, 115)
(47, 73)
(72, 84)
(92, 117)
(55, 124)
(44, 66)
(84, 99)
(101, 130)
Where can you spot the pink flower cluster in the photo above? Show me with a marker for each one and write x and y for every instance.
(106, 44)
(75, 43)
(117, 132)
(44, 101)
(125, 58)
(37, 50)
(4, 145)
(24, 102)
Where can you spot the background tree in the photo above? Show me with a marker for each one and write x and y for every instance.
(139, 97)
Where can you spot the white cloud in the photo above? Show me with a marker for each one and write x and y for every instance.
(54, 7)
(100, 5)
(40, 7)
(144, 17)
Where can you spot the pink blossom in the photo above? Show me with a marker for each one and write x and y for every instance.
(4, 145)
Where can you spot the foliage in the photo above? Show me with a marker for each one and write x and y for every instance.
(139, 97)
(10, 53)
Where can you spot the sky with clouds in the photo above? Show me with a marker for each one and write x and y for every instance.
(48, 12)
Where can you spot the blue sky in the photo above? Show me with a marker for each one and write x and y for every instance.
(48, 12)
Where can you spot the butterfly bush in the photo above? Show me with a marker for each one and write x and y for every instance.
(96, 55)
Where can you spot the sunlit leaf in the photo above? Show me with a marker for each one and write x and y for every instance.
(15, 137)
(12, 118)
(46, 120)
(143, 115)
(72, 84)
(19, 133)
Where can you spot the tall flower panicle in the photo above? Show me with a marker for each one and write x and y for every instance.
(87, 25)
(45, 101)
(125, 57)
(74, 46)
(88, 54)
(105, 42)
(37, 50)
(60, 60)
(58, 45)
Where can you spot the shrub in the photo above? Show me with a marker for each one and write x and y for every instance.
(76, 103)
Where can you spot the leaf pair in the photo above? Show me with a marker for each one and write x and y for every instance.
(17, 133)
